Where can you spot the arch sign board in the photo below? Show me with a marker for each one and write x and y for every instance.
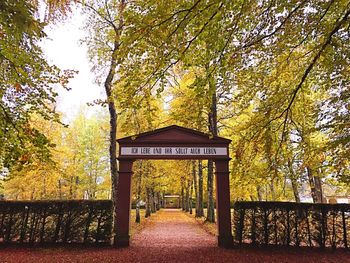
(179, 143)
(174, 151)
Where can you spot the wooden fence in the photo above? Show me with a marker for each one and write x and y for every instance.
(292, 224)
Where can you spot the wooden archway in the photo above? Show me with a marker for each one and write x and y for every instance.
(179, 143)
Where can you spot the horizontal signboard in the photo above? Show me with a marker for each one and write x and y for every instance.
(173, 151)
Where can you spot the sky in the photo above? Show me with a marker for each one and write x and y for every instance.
(63, 49)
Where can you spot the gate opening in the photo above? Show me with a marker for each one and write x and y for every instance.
(174, 143)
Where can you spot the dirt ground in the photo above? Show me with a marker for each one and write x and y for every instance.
(172, 236)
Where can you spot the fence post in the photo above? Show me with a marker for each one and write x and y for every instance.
(334, 236)
(288, 228)
(42, 230)
(323, 227)
(9, 226)
(59, 222)
(308, 227)
(241, 224)
(344, 229)
(297, 242)
(253, 227)
(266, 234)
(275, 225)
(24, 224)
(88, 222)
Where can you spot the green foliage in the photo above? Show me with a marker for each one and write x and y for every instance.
(26, 84)
(275, 59)
(279, 70)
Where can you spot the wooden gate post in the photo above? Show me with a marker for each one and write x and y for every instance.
(223, 209)
(123, 203)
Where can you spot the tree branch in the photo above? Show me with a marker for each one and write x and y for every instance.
(259, 39)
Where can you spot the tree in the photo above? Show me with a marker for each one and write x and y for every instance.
(78, 166)
(27, 84)
(86, 159)
(274, 81)
(237, 43)
(134, 119)
(188, 108)
(106, 25)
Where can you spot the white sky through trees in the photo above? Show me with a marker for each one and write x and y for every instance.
(63, 49)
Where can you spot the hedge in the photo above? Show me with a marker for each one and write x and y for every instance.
(292, 224)
(254, 223)
(73, 221)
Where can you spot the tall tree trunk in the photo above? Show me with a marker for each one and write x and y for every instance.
(272, 189)
(182, 197)
(60, 189)
(210, 186)
(138, 193)
(138, 216)
(71, 182)
(162, 204)
(187, 196)
(148, 203)
(194, 184)
(117, 27)
(293, 179)
(113, 133)
(318, 188)
(190, 199)
(315, 186)
(43, 189)
(259, 191)
(158, 201)
(295, 190)
(214, 131)
(200, 211)
(153, 201)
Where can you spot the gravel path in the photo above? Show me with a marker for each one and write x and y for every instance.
(172, 236)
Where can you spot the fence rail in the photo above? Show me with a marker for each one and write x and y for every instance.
(72, 221)
(292, 224)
